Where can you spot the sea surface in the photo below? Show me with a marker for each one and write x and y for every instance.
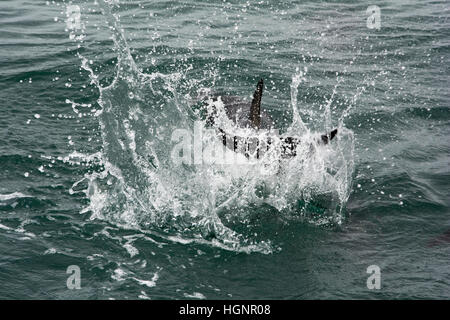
(96, 95)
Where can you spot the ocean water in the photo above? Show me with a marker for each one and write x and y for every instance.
(93, 92)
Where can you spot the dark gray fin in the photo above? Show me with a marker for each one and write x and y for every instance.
(328, 137)
(255, 109)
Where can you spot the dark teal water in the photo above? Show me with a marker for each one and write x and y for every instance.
(86, 177)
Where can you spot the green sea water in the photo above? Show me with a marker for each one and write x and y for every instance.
(91, 93)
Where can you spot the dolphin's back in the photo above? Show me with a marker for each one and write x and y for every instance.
(250, 115)
(239, 111)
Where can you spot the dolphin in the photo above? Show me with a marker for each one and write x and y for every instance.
(440, 240)
(252, 116)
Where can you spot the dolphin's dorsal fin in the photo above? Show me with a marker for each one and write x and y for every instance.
(255, 109)
(328, 137)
